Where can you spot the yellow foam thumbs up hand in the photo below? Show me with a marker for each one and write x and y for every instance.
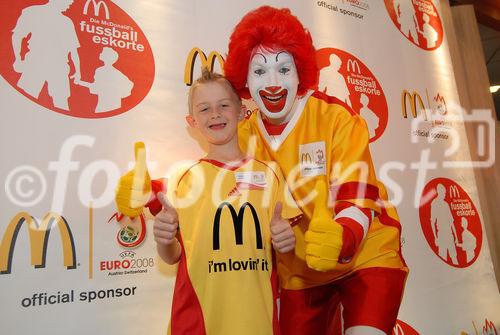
(134, 188)
(324, 236)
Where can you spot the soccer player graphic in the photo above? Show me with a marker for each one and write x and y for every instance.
(469, 241)
(443, 228)
(407, 18)
(430, 34)
(110, 84)
(51, 40)
(332, 82)
(372, 120)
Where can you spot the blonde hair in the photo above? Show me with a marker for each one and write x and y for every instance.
(206, 77)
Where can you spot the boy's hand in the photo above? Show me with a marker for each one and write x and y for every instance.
(166, 223)
(324, 236)
(134, 188)
(282, 235)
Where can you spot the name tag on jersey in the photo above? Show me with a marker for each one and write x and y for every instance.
(312, 159)
(251, 179)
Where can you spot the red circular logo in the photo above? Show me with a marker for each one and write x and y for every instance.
(450, 222)
(418, 21)
(402, 328)
(345, 77)
(132, 231)
(81, 58)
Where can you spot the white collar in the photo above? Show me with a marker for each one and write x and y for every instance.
(275, 141)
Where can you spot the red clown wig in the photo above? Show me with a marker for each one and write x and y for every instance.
(275, 30)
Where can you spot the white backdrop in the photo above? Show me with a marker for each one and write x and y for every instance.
(67, 159)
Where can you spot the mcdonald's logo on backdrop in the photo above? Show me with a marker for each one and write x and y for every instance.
(237, 224)
(398, 330)
(489, 327)
(454, 192)
(97, 7)
(205, 62)
(353, 66)
(39, 239)
(306, 158)
(413, 99)
(402, 328)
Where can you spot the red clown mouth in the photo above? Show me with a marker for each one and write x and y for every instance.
(274, 102)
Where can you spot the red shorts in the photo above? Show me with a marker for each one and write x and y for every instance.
(369, 297)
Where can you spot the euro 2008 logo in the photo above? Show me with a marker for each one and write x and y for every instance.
(82, 58)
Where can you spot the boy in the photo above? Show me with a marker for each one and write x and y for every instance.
(226, 277)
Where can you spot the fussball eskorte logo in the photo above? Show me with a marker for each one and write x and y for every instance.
(418, 21)
(345, 77)
(450, 222)
(82, 58)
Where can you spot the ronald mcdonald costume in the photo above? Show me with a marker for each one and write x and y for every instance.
(348, 244)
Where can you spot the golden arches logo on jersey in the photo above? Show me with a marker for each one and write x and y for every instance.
(237, 219)
(208, 62)
(312, 159)
(306, 158)
(412, 98)
(39, 239)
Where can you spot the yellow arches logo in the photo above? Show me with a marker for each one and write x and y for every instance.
(39, 238)
(205, 62)
(413, 99)
(306, 158)
(237, 224)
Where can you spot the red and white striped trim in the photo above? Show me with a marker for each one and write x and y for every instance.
(357, 215)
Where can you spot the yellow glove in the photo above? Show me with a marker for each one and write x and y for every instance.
(134, 188)
(324, 235)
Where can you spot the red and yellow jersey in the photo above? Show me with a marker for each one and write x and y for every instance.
(226, 281)
(324, 140)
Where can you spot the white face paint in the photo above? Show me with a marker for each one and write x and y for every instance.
(273, 81)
